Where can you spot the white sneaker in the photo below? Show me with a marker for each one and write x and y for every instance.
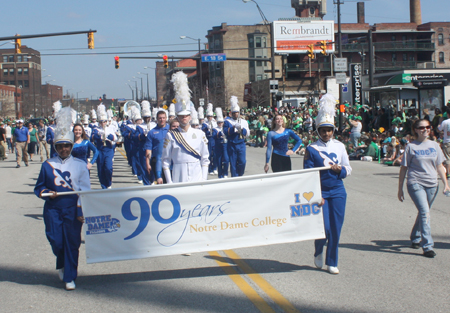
(135, 175)
(212, 173)
(70, 286)
(215, 172)
(225, 176)
(318, 261)
(108, 187)
(140, 181)
(333, 270)
(61, 274)
(186, 254)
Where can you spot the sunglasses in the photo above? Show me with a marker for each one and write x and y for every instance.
(423, 127)
(63, 145)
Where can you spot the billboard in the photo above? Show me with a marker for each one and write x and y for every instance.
(295, 36)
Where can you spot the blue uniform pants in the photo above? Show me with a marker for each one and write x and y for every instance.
(333, 218)
(146, 177)
(212, 163)
(105, 166)
(221, 159)
(63, 231)
(236, 155)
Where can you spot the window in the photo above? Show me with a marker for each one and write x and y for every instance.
(251, 53)
(25, 71)
(20, 83)
(441, 39)
(250, 42)
(252, 77)
(10, 58)
(19, 71)
(441, 57)
(258, 42)
(394, 57)
(11, 82)
(403, 37)
(264, 42)
(5, 58)
(259, 77)
(252, 63)
(258, 63)
(26, 84)
(393, 38)
(405, 57)
(11, 71)
(19, 58)
(5, 72)
(411, 58)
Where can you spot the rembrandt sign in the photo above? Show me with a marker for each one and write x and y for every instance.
(293, 37)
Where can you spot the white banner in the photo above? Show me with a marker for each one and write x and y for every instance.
(141, 222)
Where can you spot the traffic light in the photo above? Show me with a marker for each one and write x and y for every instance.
(323, 47)
(166, 61)
(91, 40)
(18, 43)
(116, 61)
(342, 108)
(311, 51)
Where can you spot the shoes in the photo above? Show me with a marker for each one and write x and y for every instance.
(215, 172)
(108, 187)
(225, 176)
(18, 165)
(140, 181)
(429, 254)
(31, 160)
(415, 245)
(186, 254)
(61, 274)
(42, 159)
(318, 261)
(70, 286)
(333, 270)
(212, 173)
(26, 164)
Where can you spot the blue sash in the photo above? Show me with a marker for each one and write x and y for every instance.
(179, 139)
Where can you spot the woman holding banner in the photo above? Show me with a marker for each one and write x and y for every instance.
(329, 152)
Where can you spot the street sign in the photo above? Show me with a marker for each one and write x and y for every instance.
(217, 57)
(273, 86)
(345, 88)
(340, 65)
(341, 78)
(201, 101)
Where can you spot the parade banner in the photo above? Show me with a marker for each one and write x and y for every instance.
(141, 222)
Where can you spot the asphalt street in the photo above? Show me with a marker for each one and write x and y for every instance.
(379, 272)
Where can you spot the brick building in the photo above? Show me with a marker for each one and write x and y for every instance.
(7, 101)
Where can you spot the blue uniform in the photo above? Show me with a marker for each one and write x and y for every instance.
(207, 128)
(236, 144)
(105, 156)
(81, 151)
(220, 152)
(62, 228)
(49, 137)
(319, 154)
(155, 142)
(279, 143)
(140, 138)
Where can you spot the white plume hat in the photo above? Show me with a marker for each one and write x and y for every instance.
(234, 104)
(219, 115)
(135, 114)
(93, 114)
(172, 109)
(101, 112)
(56, 107)
(201, 113)
(145, 105)
(182, 93)
(194, 115)
(209, 110)
(109, 114)
(155, 113)
(63, 129)
(86, 119)
(327, 111)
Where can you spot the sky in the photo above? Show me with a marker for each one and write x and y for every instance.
(151, 28)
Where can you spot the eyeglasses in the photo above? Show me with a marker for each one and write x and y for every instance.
(423, 127)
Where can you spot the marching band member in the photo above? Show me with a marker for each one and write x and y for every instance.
(51, 129)
(171, 111)
(154, 148)
(325, 152)
(140, 137)
(201, 115)
(126, 131)
(82, 146)
(236, 129)
(220, 146)
(134, 144)
(185, 146)
(63, 216)
(94, 122)
(86, 127)
(194, 117)
(104, 138)
(207, 128)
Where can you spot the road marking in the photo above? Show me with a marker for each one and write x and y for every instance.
(122, 153)
(251, 293)
(277, 297)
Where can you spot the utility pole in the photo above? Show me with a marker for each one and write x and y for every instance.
(341, 116)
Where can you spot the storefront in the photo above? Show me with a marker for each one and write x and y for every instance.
(411, 89)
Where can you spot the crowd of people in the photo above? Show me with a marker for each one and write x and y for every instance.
(183, 144)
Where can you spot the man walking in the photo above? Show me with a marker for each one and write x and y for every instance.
(21, 139)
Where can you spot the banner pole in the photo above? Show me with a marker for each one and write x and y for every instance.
(262, 176)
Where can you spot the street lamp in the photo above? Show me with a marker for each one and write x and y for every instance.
(199, 62)
(132, 91)
(153, 68)
(142, 87)
(135, 84)
(148, 95)
(78, 103)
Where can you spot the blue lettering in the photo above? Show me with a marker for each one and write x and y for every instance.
(297, 198)
(315, 209)
(176, 209)
(306, 209)
(295, 211)
(145, 215)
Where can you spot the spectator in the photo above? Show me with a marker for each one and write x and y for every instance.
(34, 140)
(8, 130)
(21, 139)
(43, 146)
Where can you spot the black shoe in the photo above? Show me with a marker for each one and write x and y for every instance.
(18, 165)
(415, 245)
(429, 254)
(26, 164)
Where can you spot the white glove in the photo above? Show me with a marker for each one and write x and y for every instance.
(205, 172)
(168, 176)
(100, 131)
(238, 126)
